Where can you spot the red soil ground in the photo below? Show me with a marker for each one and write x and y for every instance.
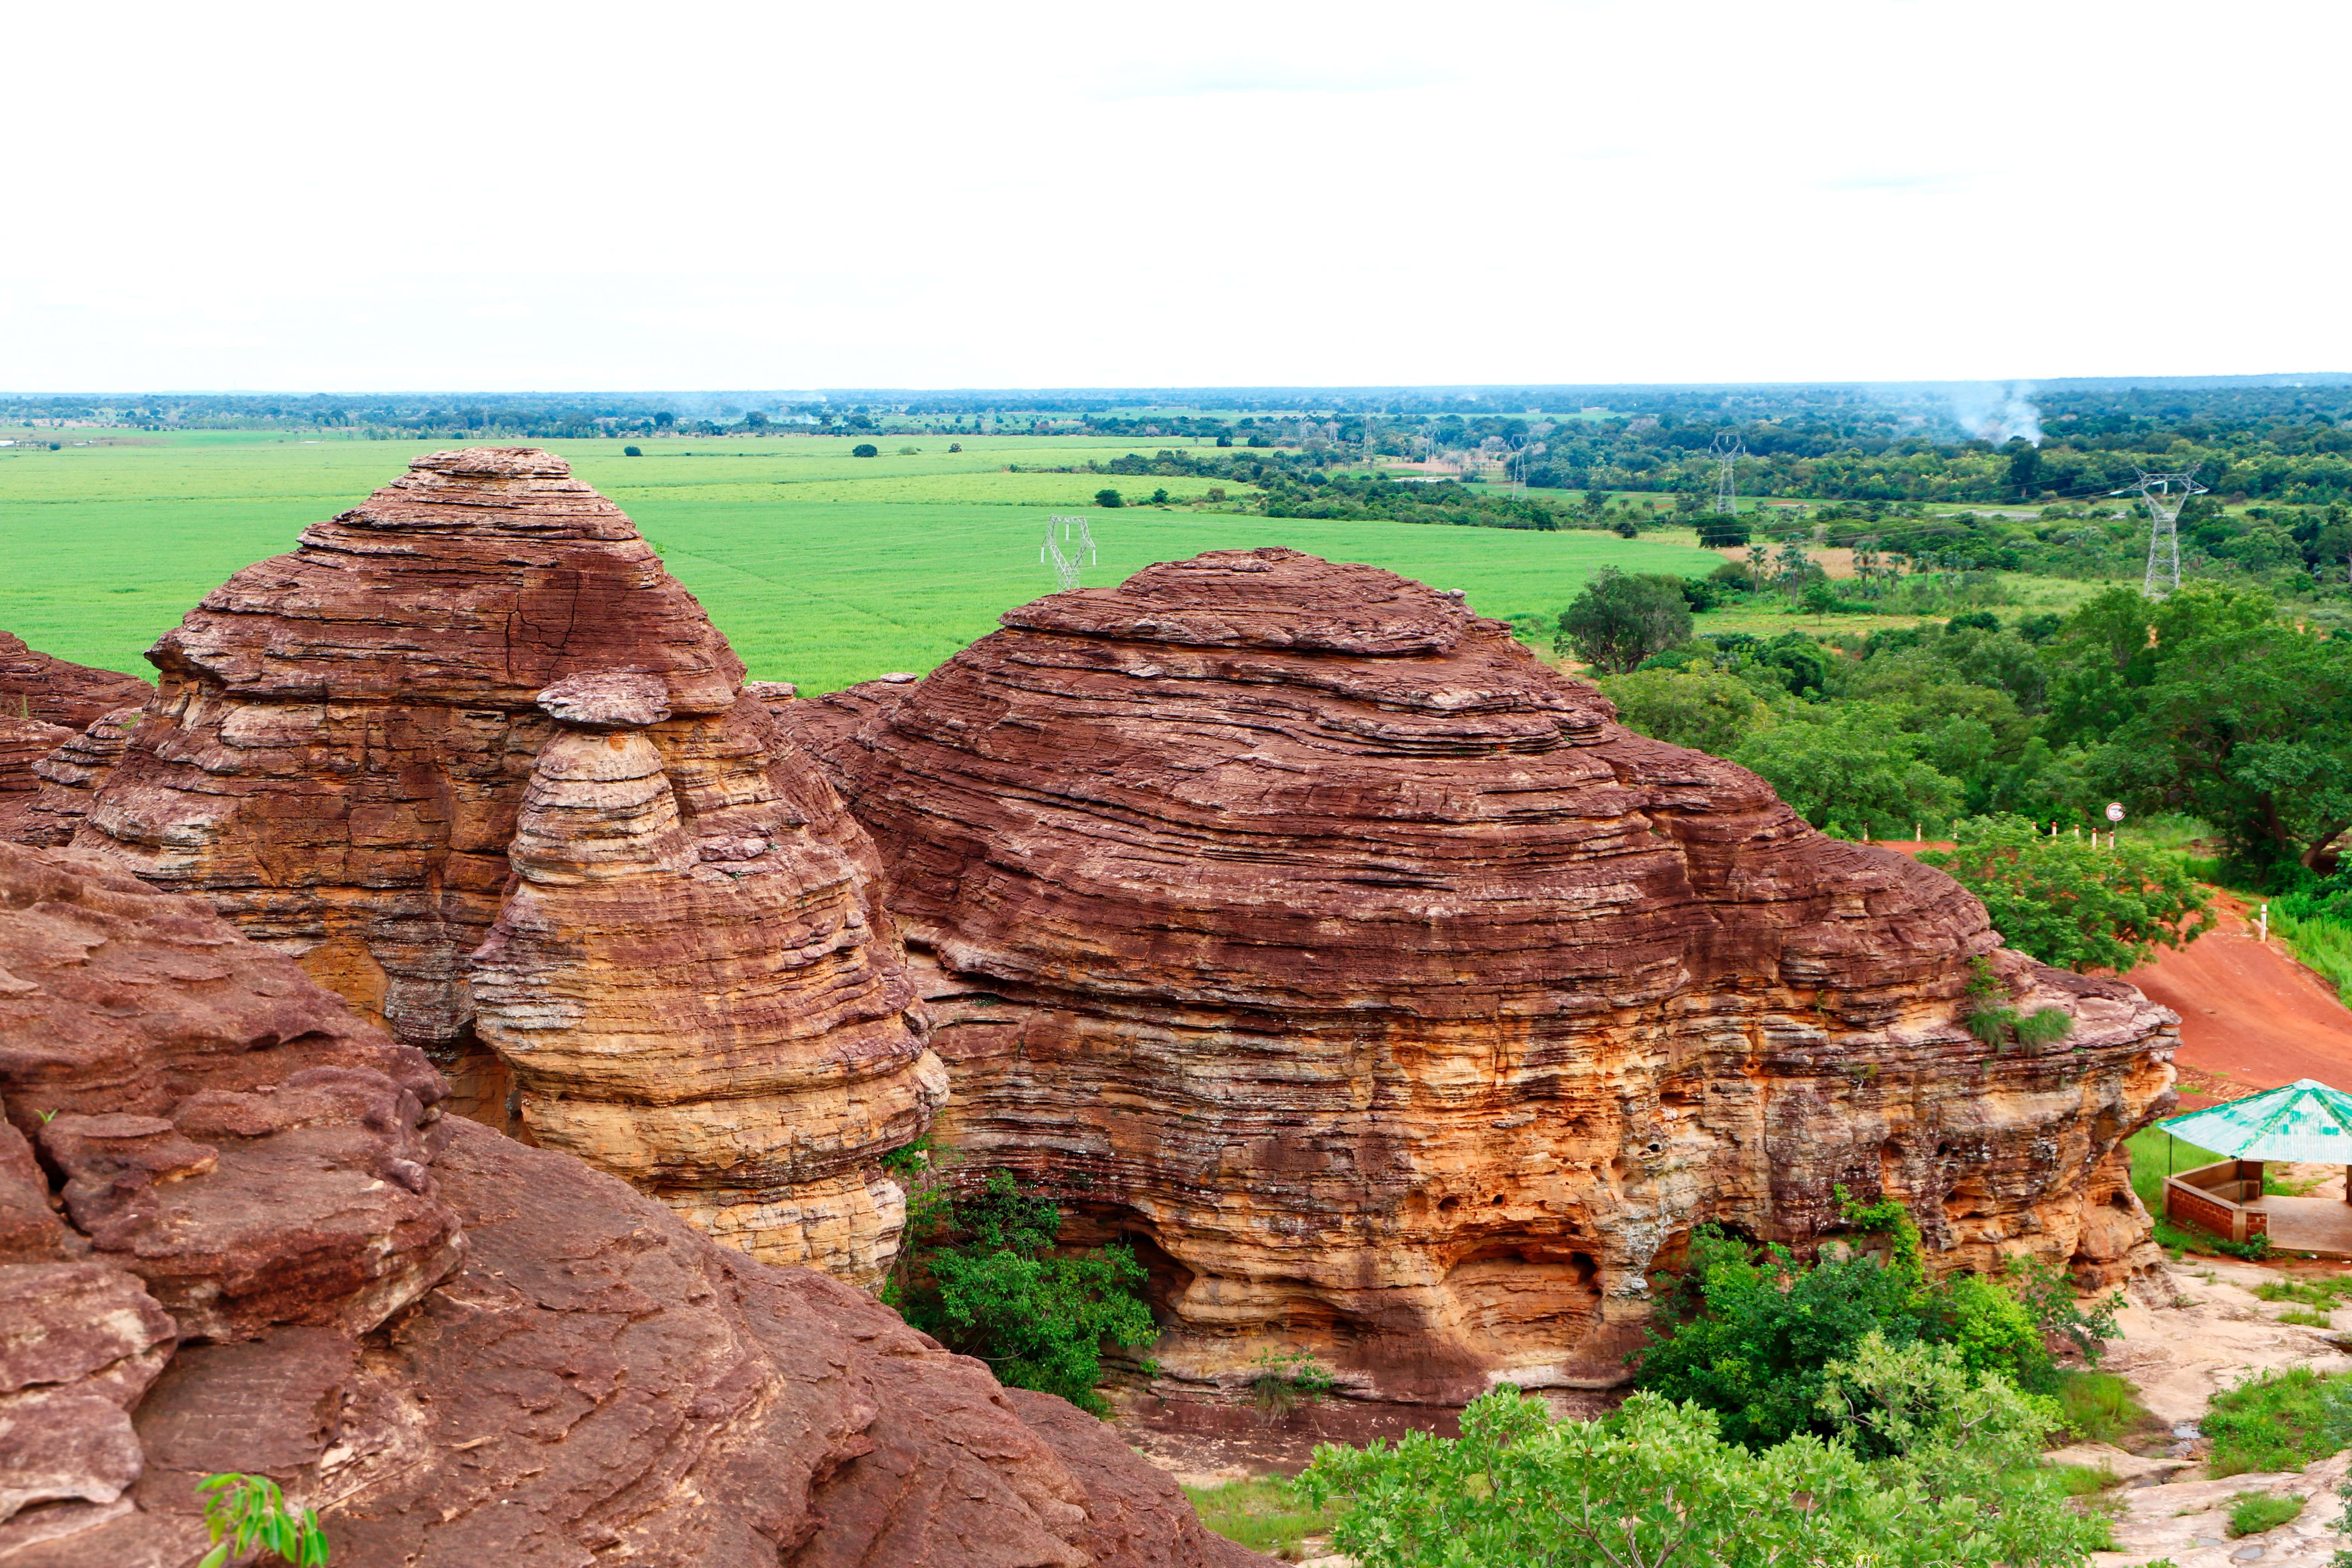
(2251, 1016)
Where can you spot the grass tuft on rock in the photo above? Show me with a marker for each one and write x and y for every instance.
(2280, 1419)
(1266, 1514)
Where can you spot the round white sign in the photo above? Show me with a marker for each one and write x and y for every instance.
(2115, 811)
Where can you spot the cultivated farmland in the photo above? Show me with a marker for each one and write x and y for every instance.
(820, 567)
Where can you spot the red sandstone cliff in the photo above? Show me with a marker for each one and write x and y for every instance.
(1398, 1003)
(257, 1245)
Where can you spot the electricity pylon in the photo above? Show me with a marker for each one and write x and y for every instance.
(1727, 449)
(2165, 494)
(1078, 542)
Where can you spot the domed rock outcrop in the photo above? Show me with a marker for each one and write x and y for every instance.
(35, 685)
(1398, 1003)
(266, 1252)
(342, 743)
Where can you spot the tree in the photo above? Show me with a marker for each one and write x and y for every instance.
(990, 1282)
(1851, 766)
(1618, 621)
(1109, 497)
(2072, 905)
(1706, 709)
(865, 449)
(2251, 729)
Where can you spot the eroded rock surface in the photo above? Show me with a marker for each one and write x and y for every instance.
(65, 776)
(1400, 1004)
(35, 685)
(701, 1015)
(348, 740)
(585, 1379)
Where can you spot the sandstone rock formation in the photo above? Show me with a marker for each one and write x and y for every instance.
(701, 1018)
(33, 685)
(344, 740)
(1398, 1003)
(66, 775)
(529, 1362)
(23, 743)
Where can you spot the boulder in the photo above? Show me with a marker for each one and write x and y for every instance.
(1397, 1003)
(361, 748)
(587, 1378)
(35, 684)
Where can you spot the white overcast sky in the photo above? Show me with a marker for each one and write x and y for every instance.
(488, 196)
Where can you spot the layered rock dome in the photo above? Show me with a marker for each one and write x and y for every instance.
(480, 682)
(1399, 1004)
(253, 1242)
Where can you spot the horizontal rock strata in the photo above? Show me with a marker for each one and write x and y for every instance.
(337, 758)
(1399, 1004)
(700, 1016)
(585, 1379)
(64, 777)
(35, 684)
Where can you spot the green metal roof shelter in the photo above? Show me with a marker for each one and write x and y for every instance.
(2305, 1121)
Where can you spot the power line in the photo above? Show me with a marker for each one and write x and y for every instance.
(1066, 551)
(2164, 504)
(1728, 450)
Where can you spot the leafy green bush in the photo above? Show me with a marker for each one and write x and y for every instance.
(2254, 1512)
(2070, 905)
(988, 1282)
(1657, 1483)
(2279, 1420)
(865, 449)
(1750, 1336)
(1109, 497)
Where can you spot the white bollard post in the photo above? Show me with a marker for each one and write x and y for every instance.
(2263, 925)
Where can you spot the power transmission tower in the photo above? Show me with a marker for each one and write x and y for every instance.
(1066, 551)
(2165, 494)
(1727, 449)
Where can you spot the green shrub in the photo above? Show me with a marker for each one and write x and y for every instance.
(1657, 1483)
(1288, 1379)
(631, 452)
(865, 449)
(1750, 1335)
(245, 1513)
(2254, 1512)
(987, 1281)
(1108, 496)
(2278, 1420)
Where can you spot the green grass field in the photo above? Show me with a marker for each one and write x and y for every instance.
(820, 567)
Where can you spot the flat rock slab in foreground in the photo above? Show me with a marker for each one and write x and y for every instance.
(271, 1252)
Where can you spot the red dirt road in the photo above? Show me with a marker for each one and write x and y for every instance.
(2251, 1016)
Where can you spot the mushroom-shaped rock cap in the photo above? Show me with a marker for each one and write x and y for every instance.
(1269, 598)
(517, 490)
(607, 699)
